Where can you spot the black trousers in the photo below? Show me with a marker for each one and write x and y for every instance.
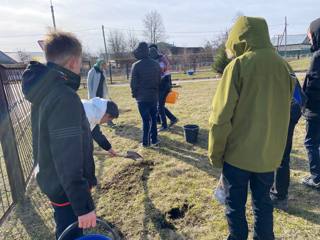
(236, 183)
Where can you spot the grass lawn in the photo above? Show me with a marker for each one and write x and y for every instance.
(196, 75)
(169, 195)
(301, 64)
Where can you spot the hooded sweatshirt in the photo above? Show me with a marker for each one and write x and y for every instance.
(311, 85)
(145, 76)
(62, 143)
(251, 107)
(95, 109)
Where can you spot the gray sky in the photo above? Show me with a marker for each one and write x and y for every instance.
(188, 23)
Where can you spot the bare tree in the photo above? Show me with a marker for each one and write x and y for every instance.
(154, 27)
(117, 43)
(132, 40)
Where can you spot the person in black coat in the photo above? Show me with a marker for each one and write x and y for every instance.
(311, 89)
(62, 142)
(145, 83)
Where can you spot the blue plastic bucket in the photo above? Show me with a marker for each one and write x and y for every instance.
(94, 237)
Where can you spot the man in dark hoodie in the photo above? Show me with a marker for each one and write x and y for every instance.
(279, 191)
(145, 83)
(62, 143)
(311, 88)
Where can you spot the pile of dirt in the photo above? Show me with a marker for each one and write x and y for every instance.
(128, 178)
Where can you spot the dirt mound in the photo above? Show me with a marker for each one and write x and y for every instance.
(128, 177)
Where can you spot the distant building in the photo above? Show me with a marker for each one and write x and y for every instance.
(297, 45)
(5, 59)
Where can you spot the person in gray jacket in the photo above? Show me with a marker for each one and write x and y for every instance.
(97, 83)
(145, 83)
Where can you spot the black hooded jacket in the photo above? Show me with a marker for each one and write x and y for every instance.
(62, 143)
(311, 86)
(145, 76)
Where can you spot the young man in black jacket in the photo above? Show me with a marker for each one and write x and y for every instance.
(62, 143)
(311, 88)
(145, 83)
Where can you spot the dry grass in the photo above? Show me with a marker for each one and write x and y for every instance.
(169, 195)
(300, 64)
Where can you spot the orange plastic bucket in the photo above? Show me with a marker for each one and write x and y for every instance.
(172, 97)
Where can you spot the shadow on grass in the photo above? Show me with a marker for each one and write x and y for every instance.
(304, 202)
(182, 151)
(153, 215)
(298, 163)
(37, 222)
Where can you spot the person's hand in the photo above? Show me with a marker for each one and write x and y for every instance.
(112, 153)
(88, 220)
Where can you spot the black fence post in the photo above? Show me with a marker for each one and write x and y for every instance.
(9, 147)
(110, 72)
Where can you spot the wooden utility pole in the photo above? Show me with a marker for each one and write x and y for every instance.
(285, 36)
(52, 14)
(106, 58)
(105, 45)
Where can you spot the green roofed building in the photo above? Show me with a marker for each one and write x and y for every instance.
(297, 45)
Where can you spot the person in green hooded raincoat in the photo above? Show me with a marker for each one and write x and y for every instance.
(249, 124)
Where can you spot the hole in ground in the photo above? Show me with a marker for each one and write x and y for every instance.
(179, 212)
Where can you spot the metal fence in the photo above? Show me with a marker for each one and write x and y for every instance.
(16, 157)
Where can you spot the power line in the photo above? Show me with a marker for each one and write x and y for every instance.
(172, 33)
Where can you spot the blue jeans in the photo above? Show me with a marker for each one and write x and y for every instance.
(236, 188)
(163, 111)
(312, 144)
(64, 216)
(148, 112)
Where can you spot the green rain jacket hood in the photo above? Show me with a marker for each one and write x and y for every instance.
(248, 34)
(250, 109)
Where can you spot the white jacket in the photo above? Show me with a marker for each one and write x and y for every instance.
(93, 80)
(95, 109)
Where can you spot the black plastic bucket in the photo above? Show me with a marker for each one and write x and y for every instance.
(191, 133)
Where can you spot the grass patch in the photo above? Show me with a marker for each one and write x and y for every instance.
(300, 65)
(169, 194)
(196, 75)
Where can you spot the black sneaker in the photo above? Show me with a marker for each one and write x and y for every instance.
(173, 122)
(281, 204)
(310, 182)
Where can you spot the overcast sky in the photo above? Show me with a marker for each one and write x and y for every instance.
(187, 23)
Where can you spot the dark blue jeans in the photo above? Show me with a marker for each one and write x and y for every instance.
(282, 176)
(163, 111)
(236, 188)
(64, 216)
(312, 144)
(148, 112)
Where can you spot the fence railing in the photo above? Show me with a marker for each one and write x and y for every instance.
(16, 159)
